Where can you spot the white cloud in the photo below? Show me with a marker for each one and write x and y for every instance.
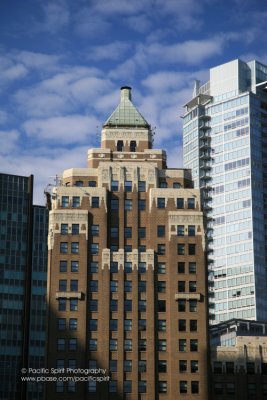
(3, 117)
(112, 51)
(66, 130)
(56, 16)
(139, 23)
(8, 141)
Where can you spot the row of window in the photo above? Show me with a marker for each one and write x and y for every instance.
(128, 185)
(70, 387)
(181, 249)
(62, 345)
(161, 268)
(229, 389)
(229, 367)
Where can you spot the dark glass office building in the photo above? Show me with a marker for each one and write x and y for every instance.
(23, 260)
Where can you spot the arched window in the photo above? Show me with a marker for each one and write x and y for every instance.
(133, 146)
(119, 145)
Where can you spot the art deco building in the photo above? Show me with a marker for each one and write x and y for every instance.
(23, 265)
(126, 275)
(224, 131)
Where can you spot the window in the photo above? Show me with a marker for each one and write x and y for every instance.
(127, 305)
(76, 201)
(181, 286)
(161, 268)
(141, 366)
(128, 186)
(193, 305)
(65, 201)
(181, 267)
(127, 232)
(74, 285)
(113, 345)
(162, 385)
(250, 368)
(192, 286)
(142, 344)
(60, 363)
(62, 285)
(128, 205)
(64, 229)
(93, 286)
(217, 367)
(93, 305)
(113, 325)
(119, 145)
(182, 345)
(62, 304)
(162, 345)
(95, 202)
(127, 286)
(182, 366)
(112, 386)
(74, 266)
(141, 233)
(127, 267)
(91, 387)
(132, 146)
(141, 286)
(161, 249)
(128, 248)
(63, 247)
(161, 230)
(113, 267)
(75, 229)
(114, 247)
(193, 325)
(141, 386)
(113, 365)
(194, 366)
(114, 186)
(113, 286)
(73, 324)
(141, 204)
(128, 345)
(95, 230)
(61, 324)
(92, 183)
(191, 203)
(114, 232)
(162, 325)
(61, 344)
(194, 387)
(142, 324)
(230, 367)
(94, 247)
(180, 249)
(191, 249)
(191, 230)
(161, 202)
(114, 204)
(127, 386)
(92, 364)
(79, 183)
(63, 266)
(92, 344)
(218, 388)
(192, 268)
(73, 304)
(73, 344)
(181, 325)
(59, 387)
(93, 267)
(161, 286)
(162, 366)
(181, 305)
(127, 366)
(183, 387)
(252, 389)
(180, 203)
(141, 186)
(141, 305)
(71, 387)
(176, 185)
(141, 267)
(180, 230)
(161, 305)
(127, 324)
(142, 249)
(75, 247)
(93, 323)
(193, 345)
(163, 184)
(230, 389)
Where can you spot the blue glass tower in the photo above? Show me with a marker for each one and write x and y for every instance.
(224, 143)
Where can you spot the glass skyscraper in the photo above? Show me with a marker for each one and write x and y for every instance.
(23, 260)
(225, 145)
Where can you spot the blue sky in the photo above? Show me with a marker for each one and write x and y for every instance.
(62, 63)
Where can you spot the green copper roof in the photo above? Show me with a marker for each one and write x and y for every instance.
(126, 114)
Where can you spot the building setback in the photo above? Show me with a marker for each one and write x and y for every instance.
(126, 274)
(23, 263)
(224, 132)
